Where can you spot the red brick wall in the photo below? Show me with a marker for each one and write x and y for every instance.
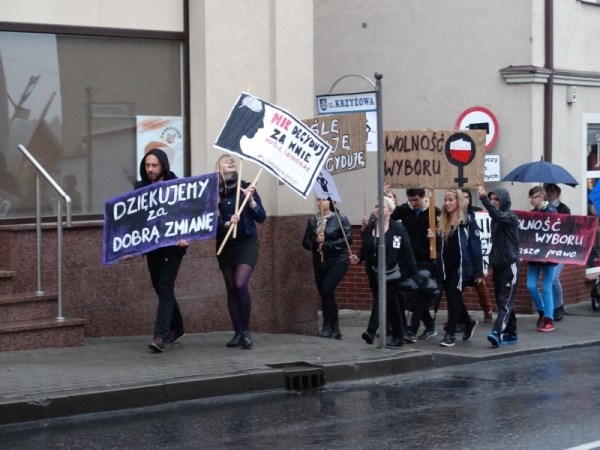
(354, 292)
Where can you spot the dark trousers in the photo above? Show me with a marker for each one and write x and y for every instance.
(395, 309)
(457, 311)
(505, 285)
(163, 275)
(421, 312)
(327, 278)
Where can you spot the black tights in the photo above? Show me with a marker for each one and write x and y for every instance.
(238, 296)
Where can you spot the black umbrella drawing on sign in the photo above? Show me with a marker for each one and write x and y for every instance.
(460, 150)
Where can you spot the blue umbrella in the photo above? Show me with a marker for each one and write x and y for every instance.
(594, 197)
(541, 172)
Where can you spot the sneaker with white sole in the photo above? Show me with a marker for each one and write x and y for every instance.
(448, 341)
(428, 333)
(469, 328)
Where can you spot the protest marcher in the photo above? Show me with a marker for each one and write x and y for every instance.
(164, 262)
(482, 291)
(415, 218)
(552, 192)
(398, 254)
(240, 253)
(459, 262)
(328, 235)
(544, 302)
(504, 261)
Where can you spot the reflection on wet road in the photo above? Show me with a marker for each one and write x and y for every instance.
(549, 401)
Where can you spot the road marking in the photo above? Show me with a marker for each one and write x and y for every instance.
(590, 446)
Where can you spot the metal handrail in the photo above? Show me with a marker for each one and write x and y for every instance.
(38, 225)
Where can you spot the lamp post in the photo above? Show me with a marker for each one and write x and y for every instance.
(381, 265)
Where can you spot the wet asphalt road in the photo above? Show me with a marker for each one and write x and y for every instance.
(547, 401)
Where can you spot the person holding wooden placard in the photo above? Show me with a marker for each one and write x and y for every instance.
(328, 236)
(237, 256)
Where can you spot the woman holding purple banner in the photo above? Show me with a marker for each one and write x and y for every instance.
(239, 254)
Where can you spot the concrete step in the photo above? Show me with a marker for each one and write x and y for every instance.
(41, 333)
(27, 306)
(7, 281)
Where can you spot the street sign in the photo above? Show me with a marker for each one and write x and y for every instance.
(351, 103)
(114, 110)
(479, 118)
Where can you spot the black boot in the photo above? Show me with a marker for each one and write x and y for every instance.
(335, 329)
(326, 331)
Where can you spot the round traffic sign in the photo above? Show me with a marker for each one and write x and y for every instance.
(479, 118)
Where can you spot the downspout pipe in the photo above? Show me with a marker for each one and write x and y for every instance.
(549, 87)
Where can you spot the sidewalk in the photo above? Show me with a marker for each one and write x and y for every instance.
(117, 373)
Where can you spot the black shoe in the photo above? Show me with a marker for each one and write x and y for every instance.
(395, 343)
(157, 345)
(174, 336)
(559, 313)
(448, 341)
(469, 328)
(235, 341)
(336, 334)
(368, 337)
(246, 341)
(326, 332)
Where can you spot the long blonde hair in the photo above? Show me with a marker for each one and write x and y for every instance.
(446, 225)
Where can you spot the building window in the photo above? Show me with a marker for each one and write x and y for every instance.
(592, 142)
(72, 101)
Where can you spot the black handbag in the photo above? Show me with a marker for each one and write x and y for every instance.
(391, 274)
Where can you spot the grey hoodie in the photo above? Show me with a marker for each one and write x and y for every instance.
(505, 230)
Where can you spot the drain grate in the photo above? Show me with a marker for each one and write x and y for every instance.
(301, 375)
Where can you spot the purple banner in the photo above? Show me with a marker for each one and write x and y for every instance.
(159, 215)
(558, 238)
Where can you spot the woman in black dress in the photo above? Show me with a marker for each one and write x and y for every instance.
(239, 255)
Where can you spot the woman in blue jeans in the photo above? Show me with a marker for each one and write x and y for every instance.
(328, 236)
(544, 302)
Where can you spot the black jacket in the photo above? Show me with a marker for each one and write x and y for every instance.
(172, 251)
(398, 250)
(505, 230)
(334, 248)
(416, 225)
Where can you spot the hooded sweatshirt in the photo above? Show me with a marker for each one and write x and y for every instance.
(505, 230)
(172, 251)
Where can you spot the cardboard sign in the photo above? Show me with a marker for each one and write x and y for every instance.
(434, 158)
(273, 138)
(347, 134)
(159, 215)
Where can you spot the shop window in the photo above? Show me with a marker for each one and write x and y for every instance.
(72, 100)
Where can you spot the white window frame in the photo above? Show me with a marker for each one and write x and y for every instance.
(588, 118)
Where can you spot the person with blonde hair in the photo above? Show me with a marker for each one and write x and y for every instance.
(398, 254)
(459, 262)
(239, 255)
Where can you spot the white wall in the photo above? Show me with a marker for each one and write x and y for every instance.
(259, 46)
(163, 15)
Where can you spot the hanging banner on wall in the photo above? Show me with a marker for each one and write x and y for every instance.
(434, 158)
(165, 133)
(276, 140)
(159, 215)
